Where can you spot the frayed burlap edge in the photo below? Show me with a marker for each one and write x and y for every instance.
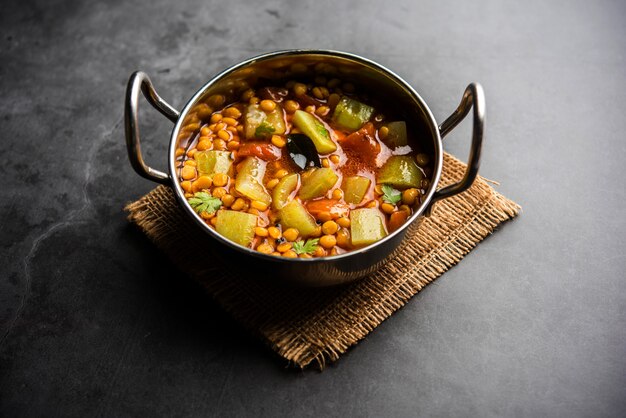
(333, 322)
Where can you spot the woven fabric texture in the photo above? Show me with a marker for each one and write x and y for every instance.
(316, 325)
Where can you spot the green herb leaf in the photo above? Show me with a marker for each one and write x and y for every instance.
(264, 130)
(391, 195)
(309, 247)
(204, 202)
(321, 130)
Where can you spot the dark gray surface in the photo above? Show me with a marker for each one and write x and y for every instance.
(94, 321)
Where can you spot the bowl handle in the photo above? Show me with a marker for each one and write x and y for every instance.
(474, 96)
(139, 81)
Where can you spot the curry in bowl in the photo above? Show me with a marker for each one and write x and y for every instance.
(309, 167)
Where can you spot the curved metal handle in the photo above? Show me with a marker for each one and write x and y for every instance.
(139, 81)
(474, 96)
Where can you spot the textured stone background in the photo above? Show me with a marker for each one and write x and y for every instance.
(94, 321)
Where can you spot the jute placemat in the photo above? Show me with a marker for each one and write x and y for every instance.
(305, 325)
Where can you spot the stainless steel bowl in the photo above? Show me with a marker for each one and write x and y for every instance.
(376, 78)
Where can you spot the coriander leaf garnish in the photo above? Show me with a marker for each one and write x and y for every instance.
(321, 130)
(309, 247)
(264, 129)
(391, 195)
(204, 202)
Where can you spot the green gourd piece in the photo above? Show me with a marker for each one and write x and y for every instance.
(261, 125)
(212, 162)
(400, 171)
(351, 114)
(396, 137)
(314, 129)
(366, 226)
(295, 215)
(248, 181)
(283, 190)
(354, 188)
(317, 183)
(236, 226)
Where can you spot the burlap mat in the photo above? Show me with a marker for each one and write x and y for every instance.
(305, 325)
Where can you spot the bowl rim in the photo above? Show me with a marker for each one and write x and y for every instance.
(179, 192)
